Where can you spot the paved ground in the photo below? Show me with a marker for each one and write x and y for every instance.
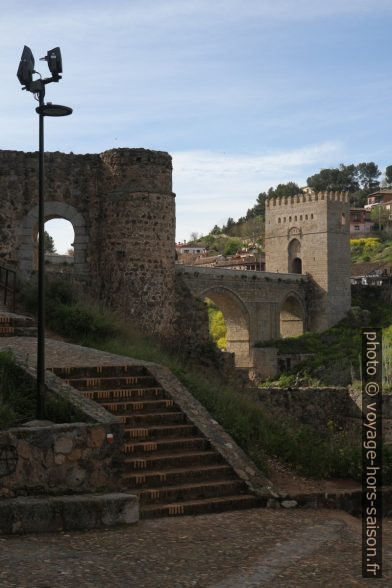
(60, 354)
(242, 549)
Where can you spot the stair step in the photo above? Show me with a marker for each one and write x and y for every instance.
(112, 382)
(100, 371)
(120, 399)
(166, 444)
(165, 460)
(7, 331)
(159, 431)
(203, 506)
(196, 491)
(25, 331)
(139, 406)
(175, 476)
(154, 418)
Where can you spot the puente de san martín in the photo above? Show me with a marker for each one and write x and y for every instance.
(122, 208)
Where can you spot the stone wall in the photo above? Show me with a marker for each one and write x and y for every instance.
(57, 459)
(121, 206)
(318, 407)
(47, 458)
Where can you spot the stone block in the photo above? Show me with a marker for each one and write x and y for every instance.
(67, 513)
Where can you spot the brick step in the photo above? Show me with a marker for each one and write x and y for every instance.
(100, 371)
(123, 399)
(196, 491)
(16, 321)
(115, 382)
(153, 419)
(139, 406)
(174, 445)
(6, 330)
(161, 460)
(154, 431)
(175, 476)
(203, 506)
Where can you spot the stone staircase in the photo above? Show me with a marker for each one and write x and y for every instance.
(14, 325)
(167, 462)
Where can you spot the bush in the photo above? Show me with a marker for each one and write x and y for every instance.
(17, 394)
(79, 322)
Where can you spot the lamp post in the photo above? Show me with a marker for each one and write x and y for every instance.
(37, 87)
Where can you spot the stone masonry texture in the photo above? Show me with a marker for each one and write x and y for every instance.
(121, 206)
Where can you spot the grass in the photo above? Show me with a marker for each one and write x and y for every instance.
(18, 398)
(17, 395)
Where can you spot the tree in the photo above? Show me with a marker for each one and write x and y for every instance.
(232, 246)
(368, 175)
(380, 215)
(216, 230)
(388, 175)
(230, 225)
(285, 190)
(49, 243)
(343, 179)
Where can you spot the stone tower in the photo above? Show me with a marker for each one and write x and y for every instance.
(309, 234)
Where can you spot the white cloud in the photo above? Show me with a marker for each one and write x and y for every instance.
(211, 186)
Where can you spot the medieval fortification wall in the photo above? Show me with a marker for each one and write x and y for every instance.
(121, 206)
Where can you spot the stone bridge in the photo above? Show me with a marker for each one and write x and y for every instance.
(257, 306)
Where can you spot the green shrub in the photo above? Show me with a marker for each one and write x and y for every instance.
(17, 393)
(79, 322)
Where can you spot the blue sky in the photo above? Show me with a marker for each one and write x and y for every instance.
(243, 94)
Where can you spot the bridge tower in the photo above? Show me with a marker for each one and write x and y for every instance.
(309, 234)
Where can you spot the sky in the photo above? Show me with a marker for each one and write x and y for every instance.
(244, 94)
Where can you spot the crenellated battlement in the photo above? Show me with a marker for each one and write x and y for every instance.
(308, 197)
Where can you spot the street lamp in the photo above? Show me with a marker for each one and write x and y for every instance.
(37, 87)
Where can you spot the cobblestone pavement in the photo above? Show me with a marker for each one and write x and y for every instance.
(60, 353)
(241, 549)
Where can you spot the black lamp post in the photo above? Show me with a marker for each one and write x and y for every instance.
(37, 87)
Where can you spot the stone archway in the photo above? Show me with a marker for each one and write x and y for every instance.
(294, 257)
(292, 317)
(27, 231)
(237, 322)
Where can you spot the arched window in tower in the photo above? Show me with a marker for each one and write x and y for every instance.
(343, 219)
(294, 257)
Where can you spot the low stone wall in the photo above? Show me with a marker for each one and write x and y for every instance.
(57, 459)
(356, 396)
(46, 458)
(265, 363)
(318, 407)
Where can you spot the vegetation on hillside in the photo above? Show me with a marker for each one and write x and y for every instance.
(374, 248)
(335, 353)
(217, 325)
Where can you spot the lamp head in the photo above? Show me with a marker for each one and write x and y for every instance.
(55, 64)
(26, 67)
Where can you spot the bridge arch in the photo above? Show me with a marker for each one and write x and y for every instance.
(237, 321)
(292, 316)
(28, 228)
